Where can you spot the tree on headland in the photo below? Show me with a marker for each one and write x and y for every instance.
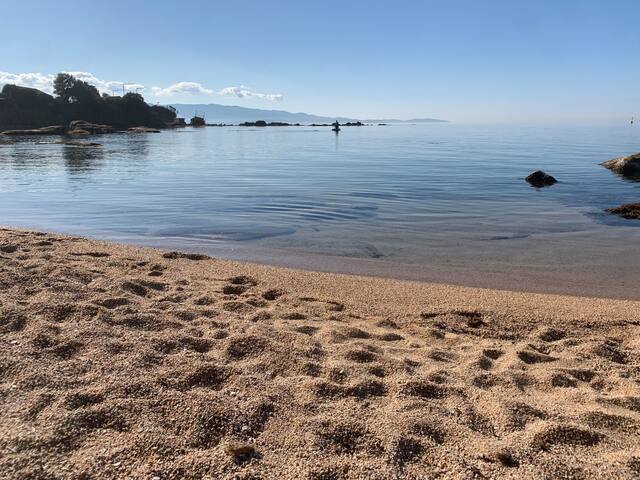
(28, 108)
(71, 90)
(62, 86)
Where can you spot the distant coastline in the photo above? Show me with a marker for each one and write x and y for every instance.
(233, 114)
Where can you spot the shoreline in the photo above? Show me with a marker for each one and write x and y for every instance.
(583, 272)
(123, 361)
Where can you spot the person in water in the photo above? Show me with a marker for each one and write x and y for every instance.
(336, 126)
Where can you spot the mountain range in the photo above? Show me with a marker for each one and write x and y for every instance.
(215, 113)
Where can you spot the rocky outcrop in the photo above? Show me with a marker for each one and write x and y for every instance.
(629, 210)
(52, 130)
(143, 130)
(626, 166)
(197, 122)
(23, 108)
(30, 109)
(92, 128)
(179, 122)
(540, 179)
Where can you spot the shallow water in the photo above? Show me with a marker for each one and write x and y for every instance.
(404, 193)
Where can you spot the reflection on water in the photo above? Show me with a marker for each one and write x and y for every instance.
(398, 192)
(80, 160)
(136, 145)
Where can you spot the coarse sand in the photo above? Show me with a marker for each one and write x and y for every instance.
(126, 362)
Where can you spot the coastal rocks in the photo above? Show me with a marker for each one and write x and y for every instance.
(143, 130)
(197, 121)
(626, 166)
(179, 122)
(630, 211)
(52, 130)
(78, 132)
(92, 128)
(540, 179)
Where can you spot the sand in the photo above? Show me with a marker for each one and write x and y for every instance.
(126, 362)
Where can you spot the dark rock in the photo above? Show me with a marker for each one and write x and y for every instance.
(92, 128)
(52, 130)
(540, 179)
(179, 122)
(629, 210)
(625, 166)
(259, 123)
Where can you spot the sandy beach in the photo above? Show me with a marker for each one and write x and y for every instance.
(126, 362)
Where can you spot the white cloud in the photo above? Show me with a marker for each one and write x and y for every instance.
(246, 92)
(182, 88)
(32, 80)
(45, 82)
(106, 86)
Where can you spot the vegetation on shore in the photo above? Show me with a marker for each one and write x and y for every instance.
(29, 108)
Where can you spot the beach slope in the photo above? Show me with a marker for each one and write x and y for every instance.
(126, 362)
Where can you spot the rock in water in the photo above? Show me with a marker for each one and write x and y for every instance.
(78, 132)
(143, 130)
(629, 210)
(52, 130)
(625, 166)
(92, 128)
(540, 179)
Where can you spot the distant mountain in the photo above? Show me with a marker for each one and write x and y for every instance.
(215, 113)
(413, 120)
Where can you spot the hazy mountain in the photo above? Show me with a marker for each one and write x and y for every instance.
(413, 120)
(215, 113)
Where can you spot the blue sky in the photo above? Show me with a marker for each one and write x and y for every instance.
(562, 61)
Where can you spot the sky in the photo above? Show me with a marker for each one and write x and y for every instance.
(489, 61)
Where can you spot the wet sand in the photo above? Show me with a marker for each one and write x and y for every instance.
(127, 362)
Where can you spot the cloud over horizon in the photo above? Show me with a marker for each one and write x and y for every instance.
(182, 88)
(31, 80)
(44, 82)
(246, 92)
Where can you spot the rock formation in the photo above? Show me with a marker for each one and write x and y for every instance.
(540, 179)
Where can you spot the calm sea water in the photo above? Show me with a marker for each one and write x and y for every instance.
(407, 193)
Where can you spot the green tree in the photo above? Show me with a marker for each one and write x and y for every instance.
(62, 86)
(71, 90)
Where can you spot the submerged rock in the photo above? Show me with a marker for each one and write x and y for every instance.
(540, 179)
(52, 130)
(143, 130)
(626, 166)
(629, 210)
(78, 144)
